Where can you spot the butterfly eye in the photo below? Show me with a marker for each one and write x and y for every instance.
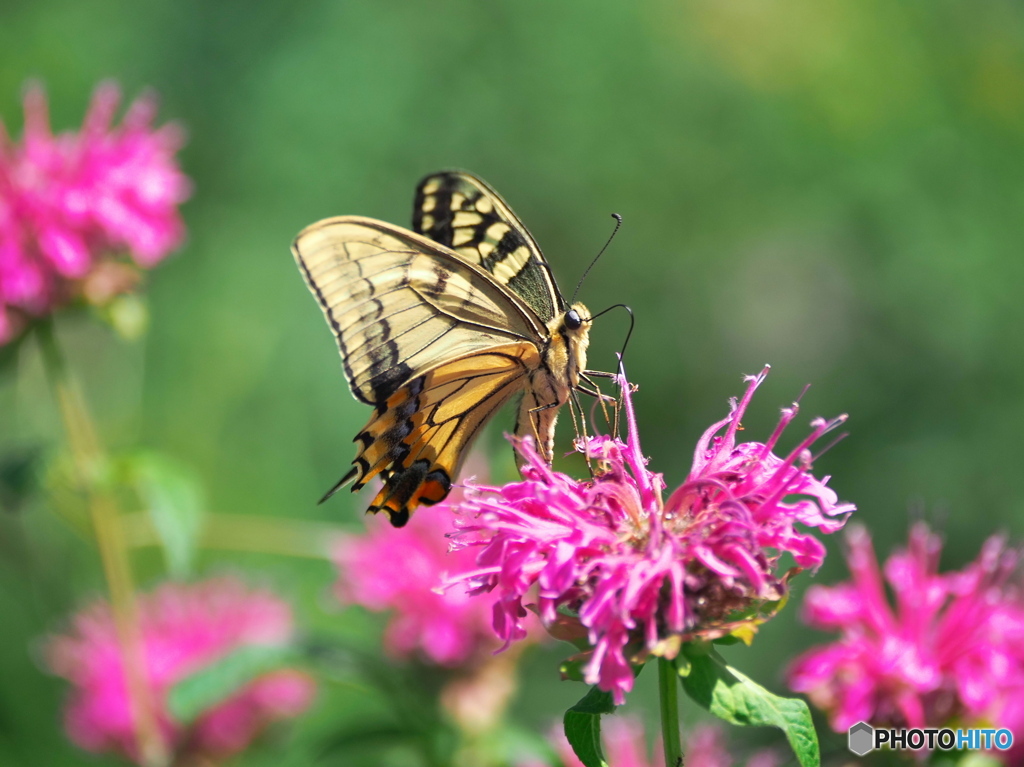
(572, 320)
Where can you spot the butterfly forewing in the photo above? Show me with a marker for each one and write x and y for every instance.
(398, 304)
(461, 212)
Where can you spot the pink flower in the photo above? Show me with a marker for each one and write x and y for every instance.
(625, 745)
(404, 570)
(952, 647)
(640, 575)
(706, 747)
(70, 203)
(184, 628)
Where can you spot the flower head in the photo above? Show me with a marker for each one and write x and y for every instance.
(403, 570)
(952, 646)
(184, 628)
(71, 203)
(639, 574)
(407, 571)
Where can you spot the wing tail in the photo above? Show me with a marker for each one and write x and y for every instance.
(349, 476)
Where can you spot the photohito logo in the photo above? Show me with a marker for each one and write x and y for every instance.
(863, 738)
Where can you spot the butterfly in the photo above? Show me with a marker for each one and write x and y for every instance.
(438, 328)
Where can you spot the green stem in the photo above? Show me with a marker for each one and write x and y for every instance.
(245, 532)
(668, 689)
(88, 460)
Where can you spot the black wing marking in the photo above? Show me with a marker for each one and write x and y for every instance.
(462, 212)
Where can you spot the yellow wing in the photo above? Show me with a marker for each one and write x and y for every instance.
(399, 304)
(434, 343)
(417, 444)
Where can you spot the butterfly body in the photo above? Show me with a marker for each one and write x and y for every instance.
(438, 328)
(563, 361)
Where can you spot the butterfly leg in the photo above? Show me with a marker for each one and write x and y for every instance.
(574, 404)
(580, 427)
(595, 392)
(601, 397)
(542, 408)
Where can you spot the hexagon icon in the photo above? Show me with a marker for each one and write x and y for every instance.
(861, 738)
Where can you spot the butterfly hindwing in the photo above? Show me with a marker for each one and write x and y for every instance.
(417, 440)
(462, 212)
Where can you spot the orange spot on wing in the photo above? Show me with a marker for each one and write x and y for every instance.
(429, 492)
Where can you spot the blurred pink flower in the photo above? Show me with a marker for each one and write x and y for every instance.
(70, 203)
(184, 628)
(706, 747)
(625, 745)
(404, 570)
(642, 574)
(951, 649)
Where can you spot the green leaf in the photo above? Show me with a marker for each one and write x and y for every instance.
(366, 736)
(174, 501)
(572, 668)
(8, 357)
(511, 744)
(583, 726)
(736, 698)
(215, 683)
(566, 627)
(19, 478)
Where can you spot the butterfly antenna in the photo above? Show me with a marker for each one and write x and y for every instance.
(618, 223)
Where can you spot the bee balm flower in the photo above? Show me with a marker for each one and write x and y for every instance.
(405, 571)
(402, 571)
(950, 649)
(71, 204)
(184, 628)
(640, 574)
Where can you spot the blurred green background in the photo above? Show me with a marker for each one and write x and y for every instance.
(832, 188)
